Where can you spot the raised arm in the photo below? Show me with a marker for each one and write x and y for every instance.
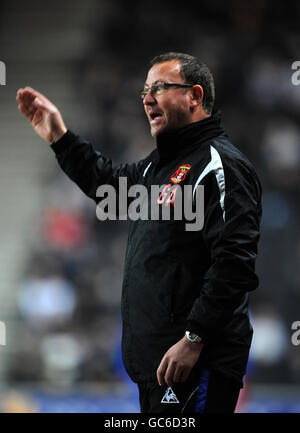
(85, 166)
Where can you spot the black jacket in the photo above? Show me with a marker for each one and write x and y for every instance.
(174, 279)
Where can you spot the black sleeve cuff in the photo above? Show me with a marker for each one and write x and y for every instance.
(64, 142)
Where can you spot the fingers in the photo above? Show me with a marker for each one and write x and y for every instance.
(26, 103)
(182, 375)
(27, 93)
(38, 103)
(169, 373)
(25, 96)
(177, 377)
(29, 109)
(161, 371)
(25, 111)
(37, 118)
(32, 99)
(32, 104)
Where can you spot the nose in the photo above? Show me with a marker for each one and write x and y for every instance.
(149, 98)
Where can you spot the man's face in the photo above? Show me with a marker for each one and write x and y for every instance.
(170, 109)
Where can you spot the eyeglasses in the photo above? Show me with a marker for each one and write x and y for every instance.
(158, 88)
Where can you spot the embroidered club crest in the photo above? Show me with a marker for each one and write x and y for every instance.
(180, 173)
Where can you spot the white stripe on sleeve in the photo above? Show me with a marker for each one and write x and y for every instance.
(215, 165)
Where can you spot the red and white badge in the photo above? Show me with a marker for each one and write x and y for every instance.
(180, 173)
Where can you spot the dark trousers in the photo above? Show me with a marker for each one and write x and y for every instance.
(204, 392)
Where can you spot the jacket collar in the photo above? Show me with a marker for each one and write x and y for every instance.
(175, 142)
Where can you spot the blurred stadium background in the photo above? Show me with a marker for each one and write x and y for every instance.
(60, 268)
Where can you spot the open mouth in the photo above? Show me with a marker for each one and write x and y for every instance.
(155, 117)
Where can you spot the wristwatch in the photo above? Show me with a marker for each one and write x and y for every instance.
(194, 338)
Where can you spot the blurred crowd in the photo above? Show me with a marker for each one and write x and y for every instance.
(69, 301)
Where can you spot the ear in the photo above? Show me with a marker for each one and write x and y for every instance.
(196, 95)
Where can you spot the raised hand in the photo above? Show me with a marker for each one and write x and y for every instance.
(45, 118)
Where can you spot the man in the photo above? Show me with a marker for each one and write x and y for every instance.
(186, 330)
